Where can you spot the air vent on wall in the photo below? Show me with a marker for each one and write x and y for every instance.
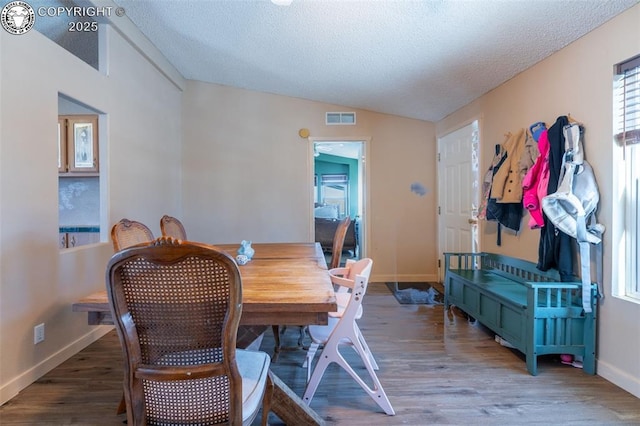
(344, 118)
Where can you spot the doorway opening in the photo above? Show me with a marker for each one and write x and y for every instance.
(339, 185)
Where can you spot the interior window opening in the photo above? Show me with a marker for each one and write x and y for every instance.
(79, 194)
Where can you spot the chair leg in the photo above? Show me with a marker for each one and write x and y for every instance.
(276, 338)
(266, 401)
(316, 376)
(278, 332)
(311, 353)
(377, 393)
(363, 342)
(122, 407)
(330, 354)
(303, 332)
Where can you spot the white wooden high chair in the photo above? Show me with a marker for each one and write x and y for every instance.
(342, 329)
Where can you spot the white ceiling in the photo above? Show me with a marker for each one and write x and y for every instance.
(418, 59)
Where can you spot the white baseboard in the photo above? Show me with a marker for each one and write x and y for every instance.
(14, 386)
(408, 278)
(619, 378)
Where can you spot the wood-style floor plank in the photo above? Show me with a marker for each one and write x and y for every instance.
(436, 369)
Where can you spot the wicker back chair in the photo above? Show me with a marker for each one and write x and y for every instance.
(172, 227)
(176, 308)
(127, 233)
(338, 242)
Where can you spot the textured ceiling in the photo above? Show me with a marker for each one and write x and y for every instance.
(418, 59)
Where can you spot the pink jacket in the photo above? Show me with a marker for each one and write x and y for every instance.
(535, 182)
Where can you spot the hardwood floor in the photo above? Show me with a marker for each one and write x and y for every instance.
(436, 369)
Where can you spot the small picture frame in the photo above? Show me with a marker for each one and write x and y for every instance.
(82, 142)
(83, 145)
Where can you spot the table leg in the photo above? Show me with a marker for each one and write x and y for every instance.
(291, 409)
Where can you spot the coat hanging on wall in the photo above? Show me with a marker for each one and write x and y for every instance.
(502, 185)
(555, 247)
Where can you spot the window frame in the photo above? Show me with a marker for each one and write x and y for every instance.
(626, 208)
(338, 182)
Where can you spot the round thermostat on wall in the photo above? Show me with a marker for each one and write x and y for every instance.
(304, 133)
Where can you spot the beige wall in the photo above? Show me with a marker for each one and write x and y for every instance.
(247, 175)
(576, 80)
(140, 140)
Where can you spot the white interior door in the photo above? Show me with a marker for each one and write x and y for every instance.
(458, 191)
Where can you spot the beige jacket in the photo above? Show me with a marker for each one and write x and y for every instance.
(507, 182)
(529, 155)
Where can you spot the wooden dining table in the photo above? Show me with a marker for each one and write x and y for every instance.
(283, 284)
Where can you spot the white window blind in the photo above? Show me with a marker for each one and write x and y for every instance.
(627, 102)
(335, 178)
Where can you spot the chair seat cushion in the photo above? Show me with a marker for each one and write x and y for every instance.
(254, 368)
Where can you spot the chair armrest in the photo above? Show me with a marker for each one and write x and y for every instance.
(338, 278)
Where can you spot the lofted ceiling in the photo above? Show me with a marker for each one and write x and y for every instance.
(417, 59)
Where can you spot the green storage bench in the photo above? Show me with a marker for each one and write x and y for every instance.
(531, 309)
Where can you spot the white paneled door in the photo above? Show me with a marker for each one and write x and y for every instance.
(458, 191)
